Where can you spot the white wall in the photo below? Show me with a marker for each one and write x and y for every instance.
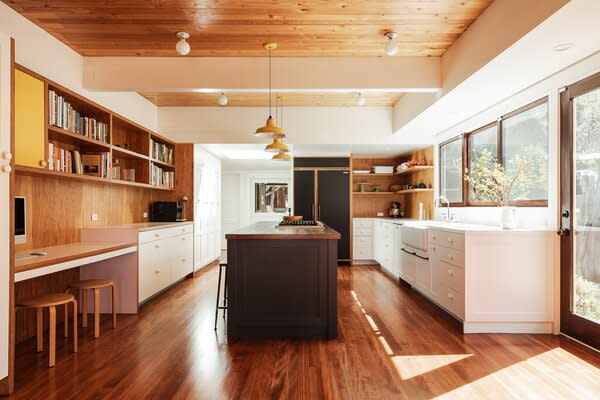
(42, 53)
(303, 125)
(545, 217)
(238, 202)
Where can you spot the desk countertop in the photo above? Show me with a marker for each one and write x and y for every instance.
(143, 226)
(25, 260)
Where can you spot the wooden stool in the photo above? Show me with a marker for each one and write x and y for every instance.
(95, 285)
(51, 301)
(222, 266)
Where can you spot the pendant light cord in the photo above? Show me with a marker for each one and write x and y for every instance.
(270, 83)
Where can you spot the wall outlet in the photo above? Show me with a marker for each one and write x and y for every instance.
(380, 214)
(145, 214)
(94, 216)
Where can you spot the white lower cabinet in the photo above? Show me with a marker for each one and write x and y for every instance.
(423, 275)
(164, 257)
(362, 240)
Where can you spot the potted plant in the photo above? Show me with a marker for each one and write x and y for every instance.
(489, 181)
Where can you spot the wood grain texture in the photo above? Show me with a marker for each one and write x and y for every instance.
(238, 27)
(392, 344)
(268, 231)
(412, 200)
(325, 99)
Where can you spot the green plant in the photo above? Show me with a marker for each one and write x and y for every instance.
(587, 298)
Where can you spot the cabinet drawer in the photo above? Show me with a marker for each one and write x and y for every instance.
(362, 223)
(158, 234)
(182, 256)
(362, 231)
(154, 268)
(451, 276)
(453, 301)
(447, 255)
(452, 240)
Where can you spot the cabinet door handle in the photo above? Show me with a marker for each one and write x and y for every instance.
(157, 271)
(6, 169)
(43, 163)
(450, 257)
(434, 237)
(450, 272)
(7, 156)
(450, 296)
(182, 238)
(156, 246)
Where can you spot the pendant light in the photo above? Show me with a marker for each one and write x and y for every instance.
(278, 146)
(270, 129)
(282, 157)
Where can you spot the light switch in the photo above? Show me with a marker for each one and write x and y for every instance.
(145, 214)
(94, 216)
(380, 214)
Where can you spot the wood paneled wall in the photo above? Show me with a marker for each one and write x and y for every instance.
(58, 208)
(411, 202)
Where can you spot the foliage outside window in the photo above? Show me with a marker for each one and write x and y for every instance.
(507, 162)
(270, 197)
(451, 172)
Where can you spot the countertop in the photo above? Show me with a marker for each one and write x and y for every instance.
(454, 226)
(143, 226)
(269, 231)
(25, 261)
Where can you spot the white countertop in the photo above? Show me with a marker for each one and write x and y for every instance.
(452, 226)
(143, 226)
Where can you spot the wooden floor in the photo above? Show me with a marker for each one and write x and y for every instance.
(392, 344)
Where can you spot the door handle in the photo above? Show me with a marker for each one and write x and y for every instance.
(566, 232)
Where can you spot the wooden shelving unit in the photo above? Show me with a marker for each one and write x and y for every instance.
(410, 191)
(374, 193)
(415, 169)
(127, 144)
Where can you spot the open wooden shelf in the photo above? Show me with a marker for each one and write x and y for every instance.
(124, 153)
(409, 191)
(162, 164)
(75, 139)
(371, 175)
(412, 170)
(374, 193)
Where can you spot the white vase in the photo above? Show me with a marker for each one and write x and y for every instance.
(508, 217)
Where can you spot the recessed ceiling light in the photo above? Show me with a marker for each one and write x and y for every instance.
(562, 46)
(223, 99)
(391, 47)
(360, 101)
(182, 46)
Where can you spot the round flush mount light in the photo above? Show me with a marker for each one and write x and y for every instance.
(360, 100)
(562, 46)
(390, 47)
(183, 47)
(223, 99)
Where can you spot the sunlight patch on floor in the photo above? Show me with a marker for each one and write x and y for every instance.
(410, 366)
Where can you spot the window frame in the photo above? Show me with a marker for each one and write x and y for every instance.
(466, 161)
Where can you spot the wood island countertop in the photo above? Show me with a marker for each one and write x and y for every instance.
(269, 231)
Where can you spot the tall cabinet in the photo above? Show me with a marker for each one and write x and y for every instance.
(322, 192)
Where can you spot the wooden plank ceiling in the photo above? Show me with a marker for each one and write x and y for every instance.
(186, 99)
(239, 27)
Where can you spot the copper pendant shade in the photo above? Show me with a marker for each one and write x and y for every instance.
(282, 157)
(277, 146)
(270, 128)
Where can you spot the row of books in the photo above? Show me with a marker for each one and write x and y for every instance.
(63, 115)
(161, 177)
(161, 152)
(73, 162)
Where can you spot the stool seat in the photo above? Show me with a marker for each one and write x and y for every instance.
(46, 300)
(91, 284)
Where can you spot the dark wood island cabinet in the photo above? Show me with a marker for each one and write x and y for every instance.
(282, 282)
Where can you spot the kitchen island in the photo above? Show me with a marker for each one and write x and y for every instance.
(282, 282)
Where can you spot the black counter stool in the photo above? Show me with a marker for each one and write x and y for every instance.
(222, 266)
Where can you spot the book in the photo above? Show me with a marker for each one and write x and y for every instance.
(62, 115)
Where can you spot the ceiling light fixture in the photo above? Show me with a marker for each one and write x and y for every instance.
(562, 47)
(278, 146)
(390, 47)
(223, 99)
(182, 46)
(270, 128)
(360, 101)
(282, 157)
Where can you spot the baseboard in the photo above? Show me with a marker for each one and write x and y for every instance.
(6, 387)
(507, 327)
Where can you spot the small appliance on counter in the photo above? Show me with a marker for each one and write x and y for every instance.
(395, 210)
(166, 211)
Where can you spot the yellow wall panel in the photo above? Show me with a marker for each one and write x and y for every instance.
(30, 143)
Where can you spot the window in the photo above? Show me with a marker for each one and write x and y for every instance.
(518, 142)
(270, 197)
(451, 170)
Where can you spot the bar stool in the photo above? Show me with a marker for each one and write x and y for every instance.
(95, 285)
(222, 266)
(50, 301)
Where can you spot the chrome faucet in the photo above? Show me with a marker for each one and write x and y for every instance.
(438, 203)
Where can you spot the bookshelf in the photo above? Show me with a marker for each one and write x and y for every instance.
(73, 134)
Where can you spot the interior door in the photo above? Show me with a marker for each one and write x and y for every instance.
(304, 194)
(334, 206)
(580, 211)
(6, 209)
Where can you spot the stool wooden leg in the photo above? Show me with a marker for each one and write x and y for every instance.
(218, 295)
(84, 309)
(66, 319)
(40, 329)
(52, 341)
(114, 306)
(96, 313)
(75, 339)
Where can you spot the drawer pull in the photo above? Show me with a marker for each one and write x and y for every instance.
(433, 248)
(450, 240)
(157, 271)
(156, 235)
(450, 257)
(156, 246)
(450, 296)
(434, 237)
(450, 272)
(182, 238)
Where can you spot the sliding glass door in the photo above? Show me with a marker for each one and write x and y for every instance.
(580, 211)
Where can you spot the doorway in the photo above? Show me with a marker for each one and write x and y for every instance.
(580, 211)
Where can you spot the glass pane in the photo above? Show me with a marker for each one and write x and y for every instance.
(451, 176)
(525, 153)
(483, 157)
(270, 197)
(586, 205)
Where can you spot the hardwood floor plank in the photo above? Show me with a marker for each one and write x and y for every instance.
(392, 344)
